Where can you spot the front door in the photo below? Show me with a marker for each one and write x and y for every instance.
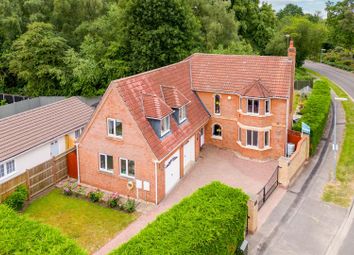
(172, 171)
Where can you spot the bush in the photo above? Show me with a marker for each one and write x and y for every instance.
(96, 196)
(315, 113)
(17, 199)
(113, 200)
(19, 235)
(211, 221)
(129, 206)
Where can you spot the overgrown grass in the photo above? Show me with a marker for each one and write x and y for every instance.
(89, 224)
(296, 99)
(342, 192)
(301, 74)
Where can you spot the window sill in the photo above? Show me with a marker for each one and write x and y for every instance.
(115, 138)
(127, 176)
(162, 135)
(254, 147)
(254, 114)
(216, 137)
(102, 171)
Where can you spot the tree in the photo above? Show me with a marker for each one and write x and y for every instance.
(37, 58)
(290, 10)
(340, 19)
(157, 33)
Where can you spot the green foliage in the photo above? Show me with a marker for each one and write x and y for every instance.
(95, 196)
(129, 206)
(340, 57)
(291, 10)
(302, 75)
(113, 200)
(17, 199)
(211, 221)
(315, 112)
(236, 47)
(19, 235)
(2, 102)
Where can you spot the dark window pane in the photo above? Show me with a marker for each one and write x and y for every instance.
(267, 106)
(217, 130)
(103, 161)
(109, 162)
(131, 168)
(111, 127)
(123, 166)
(119, 128)
(2, 171)
(255, 138)
(266, 138)
(249, 137)
(217, 104)
(249, 105)
(255, 106)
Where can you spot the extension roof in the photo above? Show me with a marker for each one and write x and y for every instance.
(26, 130)
(153, 94)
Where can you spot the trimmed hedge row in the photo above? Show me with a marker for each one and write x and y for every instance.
(315, 112)
(211, 221)
(19, 235)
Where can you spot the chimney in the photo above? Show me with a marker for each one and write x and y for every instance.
(292, 51)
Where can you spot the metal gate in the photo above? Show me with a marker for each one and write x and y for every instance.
(268, 189)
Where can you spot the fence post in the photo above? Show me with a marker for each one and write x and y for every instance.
(54, 170)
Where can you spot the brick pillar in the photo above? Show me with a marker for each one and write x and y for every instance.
(252, 215)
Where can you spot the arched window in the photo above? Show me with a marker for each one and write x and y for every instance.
(217, 104)
(217, 130)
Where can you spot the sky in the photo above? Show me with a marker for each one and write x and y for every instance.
(309, 6)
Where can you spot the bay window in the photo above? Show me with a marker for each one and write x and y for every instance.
(252, 138)
(253, 106)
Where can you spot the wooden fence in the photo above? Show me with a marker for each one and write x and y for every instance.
(39, 178)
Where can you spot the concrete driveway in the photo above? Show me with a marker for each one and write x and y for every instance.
(213, 165)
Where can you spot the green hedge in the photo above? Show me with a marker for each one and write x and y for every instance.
(19, 235)
(211, 221)
(17, 199)
(315, 112)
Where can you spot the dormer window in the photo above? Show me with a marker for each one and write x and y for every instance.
(217, 104)
(267, 106)
(182, 114)
(115, 128)
(253, 106)
(165, 126)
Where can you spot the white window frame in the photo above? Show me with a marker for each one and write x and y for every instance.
(126, 167)
(253, 100)
(219, 113)
(115, 121)
(265, 132)
(212, 131)
(251, 144)
(168, 123)
(182, 114)
(106, 161)
(5, 168)
(265, 106)
(78, 133)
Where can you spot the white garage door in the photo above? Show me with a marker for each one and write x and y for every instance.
(172, 174)
(189, 153)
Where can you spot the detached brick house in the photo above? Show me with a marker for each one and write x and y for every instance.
(149, 128)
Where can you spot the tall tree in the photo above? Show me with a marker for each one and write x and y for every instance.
(290, 10)
(340, 18)
(37, 58)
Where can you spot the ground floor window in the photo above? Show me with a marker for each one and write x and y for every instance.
(127, 167)
(106, 163)
(217, 132)
(7, 168)
(266, 138)
(252, 138)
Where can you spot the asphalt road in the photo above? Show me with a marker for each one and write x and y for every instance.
(342, 78)
(345, 80)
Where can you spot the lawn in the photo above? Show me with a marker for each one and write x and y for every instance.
(89, 224)
(342, 192)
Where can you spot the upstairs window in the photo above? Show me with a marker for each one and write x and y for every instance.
(253, 106)
(115, 128)
(266, 138)
(217, 131)
(182, 114)
(252, 138)
(165, 125)
(217, 104)
(267, 106)
(127, 167)
(106, 163)
(78, 133)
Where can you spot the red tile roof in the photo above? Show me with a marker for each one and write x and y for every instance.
(256, 89)
(232, 73)
(26, 130)
(177, 75)
(155, 107)
(173, 97)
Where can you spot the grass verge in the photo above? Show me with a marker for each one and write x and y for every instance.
(89, 224)
(342, 192)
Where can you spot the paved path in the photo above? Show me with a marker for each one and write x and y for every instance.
(342, 78)
(213, 164)
(302, 223)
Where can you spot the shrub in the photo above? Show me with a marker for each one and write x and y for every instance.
(19, 235)
(17, 199)
(129, 206)
(211, 221)
(113, 200)
(315, 113)
(96, 196)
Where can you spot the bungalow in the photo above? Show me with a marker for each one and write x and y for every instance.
(31, 137)
(149, 128)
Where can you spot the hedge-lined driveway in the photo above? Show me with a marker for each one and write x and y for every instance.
(213, 165)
